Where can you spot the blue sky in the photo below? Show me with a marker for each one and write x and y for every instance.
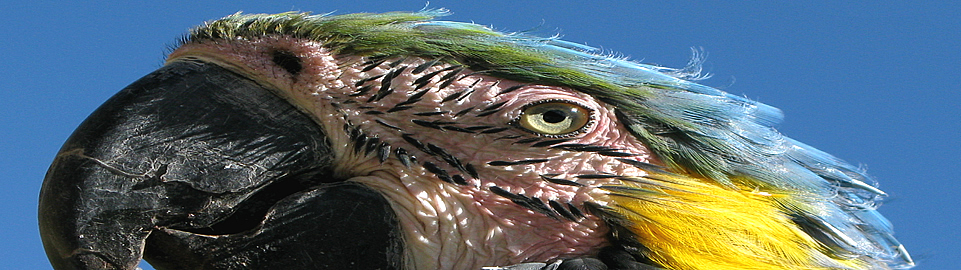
(875, 83)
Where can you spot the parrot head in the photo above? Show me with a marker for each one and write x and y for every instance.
(397, 141)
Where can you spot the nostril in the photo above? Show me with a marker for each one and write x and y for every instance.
(288, 61)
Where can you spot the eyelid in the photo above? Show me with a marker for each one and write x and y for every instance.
(588, 115)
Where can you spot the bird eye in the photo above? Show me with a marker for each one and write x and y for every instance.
(554, 118)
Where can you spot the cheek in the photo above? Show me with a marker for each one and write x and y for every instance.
(585, 158)
(608, 131)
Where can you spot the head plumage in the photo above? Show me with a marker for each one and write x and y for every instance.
(695, 129)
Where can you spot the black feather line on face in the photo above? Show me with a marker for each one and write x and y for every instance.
(533, 203)
(371, 145)
(416, 96)
(437, 171)
(583, 147)
(351, 130)
(458, 179)
(445, 84)
(408, 101)
(399, 108)
(394, 73)
(494, 130)
(417, 144)
(470, 91)
(430, 113)
(383, 151)
(388, 78)
(560, 209)
(494, 106)
(539, 206)
(463, 112)
(365, 80)
(423, 81)
(371, 64)
(518, 162)
(385, 83)
(359, 142)
(427, 124)
(559, 181)
(420, 68)
(504, 193)
(458, 129)
(472, 128)
(574, 211)
(508, 137)
(362, 91)
(382, 93)
(453, 96)
(470, 170)
(487, 113)
(448, 78)
(447, 157)
(386, 124)
(404, 157)
(616, 154)
(511, 89)
(396, 63)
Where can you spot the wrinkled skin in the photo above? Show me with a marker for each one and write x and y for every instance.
(466, 185)
(443, 194)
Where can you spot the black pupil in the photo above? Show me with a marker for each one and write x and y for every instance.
(554, 116)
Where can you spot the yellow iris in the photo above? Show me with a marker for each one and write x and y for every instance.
(554, 118)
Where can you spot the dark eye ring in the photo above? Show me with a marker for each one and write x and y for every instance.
(554, 118)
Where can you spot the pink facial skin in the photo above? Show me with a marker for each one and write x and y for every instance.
(471, 188)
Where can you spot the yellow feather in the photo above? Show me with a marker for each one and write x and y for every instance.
(686, 223)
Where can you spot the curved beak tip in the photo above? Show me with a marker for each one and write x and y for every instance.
(189, 151)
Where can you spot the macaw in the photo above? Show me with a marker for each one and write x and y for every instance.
(397, 141)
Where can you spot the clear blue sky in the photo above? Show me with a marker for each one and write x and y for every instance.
(875, 83)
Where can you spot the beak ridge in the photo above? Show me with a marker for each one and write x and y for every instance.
(182, 148)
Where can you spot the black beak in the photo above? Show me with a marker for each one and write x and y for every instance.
(197, 167)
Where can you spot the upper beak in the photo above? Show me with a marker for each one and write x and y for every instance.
(196, 167)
